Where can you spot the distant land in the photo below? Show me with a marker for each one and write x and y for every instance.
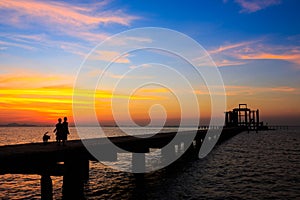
(17, 125)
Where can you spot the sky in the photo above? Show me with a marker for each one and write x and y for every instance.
(43, 45)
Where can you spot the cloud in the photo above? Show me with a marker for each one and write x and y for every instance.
(65, 14)
(233, 90)
(154, 90)
(92, 73)
(20, 78)
(132, 41)
(43, 102)
(240, 53)
(223, 55)
(250, 6)
(63, 18)
(229, 46)
(287, 56)
(145, 65)
(42, 41)
(284, 89)
(5, 45)
(239, 90)
(289, 53)
(109, 56)
(124, 76)
(224, 63)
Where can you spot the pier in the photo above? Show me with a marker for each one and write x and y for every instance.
(72, 161)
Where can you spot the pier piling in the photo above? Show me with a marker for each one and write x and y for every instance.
(73, 179)
(46, 187)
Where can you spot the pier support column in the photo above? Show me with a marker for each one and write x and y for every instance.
(139, 191)
(86, 175)
(73, 180)
(46, 187)
(198, 146)
(138, 162)
(168, 154)
(190, 152)
(257, 120)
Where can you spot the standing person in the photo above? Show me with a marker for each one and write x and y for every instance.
(65, 132)
(58, 131)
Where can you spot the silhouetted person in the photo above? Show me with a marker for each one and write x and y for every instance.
(59, 131)
(65, 132)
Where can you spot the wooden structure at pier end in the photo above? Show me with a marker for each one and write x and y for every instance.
(243, 116)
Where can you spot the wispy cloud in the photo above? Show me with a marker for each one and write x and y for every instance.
(239, 90)
(226, 47)
(63, 18)
(43, 102)
(224, 55)
(154, 90)
(108, 74)
(41, 41)
(250, 6)
(20, 78)
(146, 65)
(5, 45)
(287, 56)
(239, 53)
(124, 76)
(65, 14)
(260, 51)
(109, 56)
(224, 63)
(234, 90)
(284, 89)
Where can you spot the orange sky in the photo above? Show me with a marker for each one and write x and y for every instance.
(44, 103)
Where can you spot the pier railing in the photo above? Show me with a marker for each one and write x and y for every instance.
(277, 127)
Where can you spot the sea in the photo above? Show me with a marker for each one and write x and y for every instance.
(263, 165)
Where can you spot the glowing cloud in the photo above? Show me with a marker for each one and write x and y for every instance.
(69, 19)
(291, 57)
(229, 47)
(250, 6)
(42, 98)
(239, 53)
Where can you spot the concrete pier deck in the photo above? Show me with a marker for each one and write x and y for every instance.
(72, 161)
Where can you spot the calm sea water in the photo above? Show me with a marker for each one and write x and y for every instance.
(264, 165)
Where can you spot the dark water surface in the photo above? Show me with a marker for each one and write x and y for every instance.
(264, 165)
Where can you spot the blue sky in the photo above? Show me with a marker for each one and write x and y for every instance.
(255, 44)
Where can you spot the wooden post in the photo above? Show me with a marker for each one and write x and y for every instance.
(257, 120)
(75, 170)
(46, 187)
(226, 119)
(246, 118)
(168, 154)
(86, 175)
(198, 146)
(138, 162)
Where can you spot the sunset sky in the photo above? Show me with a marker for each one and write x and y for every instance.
(255, 44)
